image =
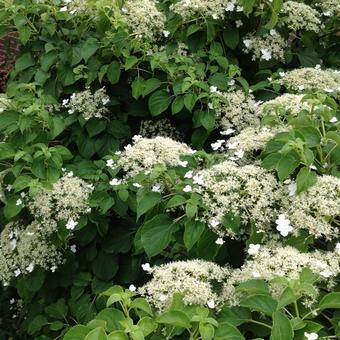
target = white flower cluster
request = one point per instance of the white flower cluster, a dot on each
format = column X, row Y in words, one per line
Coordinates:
column 285, row 104
column 248, row 143
column 248, row 192
column 266, row 47
column 88, row 104
column 207, row 284
column 194, row 279
column 144, row 19
column 73, row 6
column 316, row 210
column 274, row 260
column 234, row 109
column 309, row 78
column 328, row 8
column 67, row 200
column 145, row 153
column 5, row 103
column 299, row 16
column 22, row 248
column 161, row 128
column 216, row 9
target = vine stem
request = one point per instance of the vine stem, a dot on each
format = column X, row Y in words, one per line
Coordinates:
column 259, row 323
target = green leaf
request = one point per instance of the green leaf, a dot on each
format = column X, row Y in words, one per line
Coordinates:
column 48, row 60
column 159, row 101
column 24, row 62
column 112, row 317
column 113, row 72
column 174, row 318
column 192, row 233
column 6, row 151
column 58, row 126
column 11, row 209
column 191, row 209
column 308, row 57
column 227, row 331
column 141, row 304
column 28, row 285
column 130, row 62
column 253, row 286
column 281, row 329
column 147, row 202
column 147, row 325
column 232, row 222
column 36, row 324
column 96, row 334
column 89, row 48
column 272, row 21
column 211, row 31
column 287, row 164
column 261, row 303
column 287, row 297
column 193, row 29
column 305, row 179
column 66, row 75
column 96, row 323
column 95, row 127
column 190, row 101
column 56, row 325
column 175, row 201
column 234, row 315
column 220, row 80
column 331, row 300
column 270, row 162
column 207, row 331
column 117, row 335
column 231, row 37
column 137, row 87
column 310, row 135
column 57, row 310
column 248, row 6
column 151, row 85
column 105, row 266
column 156, row 234
column 177, row 105
column 207, row 119
column 78, row 332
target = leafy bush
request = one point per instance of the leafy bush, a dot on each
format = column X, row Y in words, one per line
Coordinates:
column 188, row 150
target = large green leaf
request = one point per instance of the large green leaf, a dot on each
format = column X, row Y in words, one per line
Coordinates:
column 174, row 318
column 89, row 48
column 24, row 62
column 147, row 202
column 156, row 234
column 261, row 303
column 281, row 329
column 227, row 331
column 105, row 266
column 113, row 72
column 96, row 334
column 112, row 317
column 231, row 37
column 192, row 233
column 331, row 300
column 78, row 332
column 305, row 179
column 287, row 164
column 159, row 101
